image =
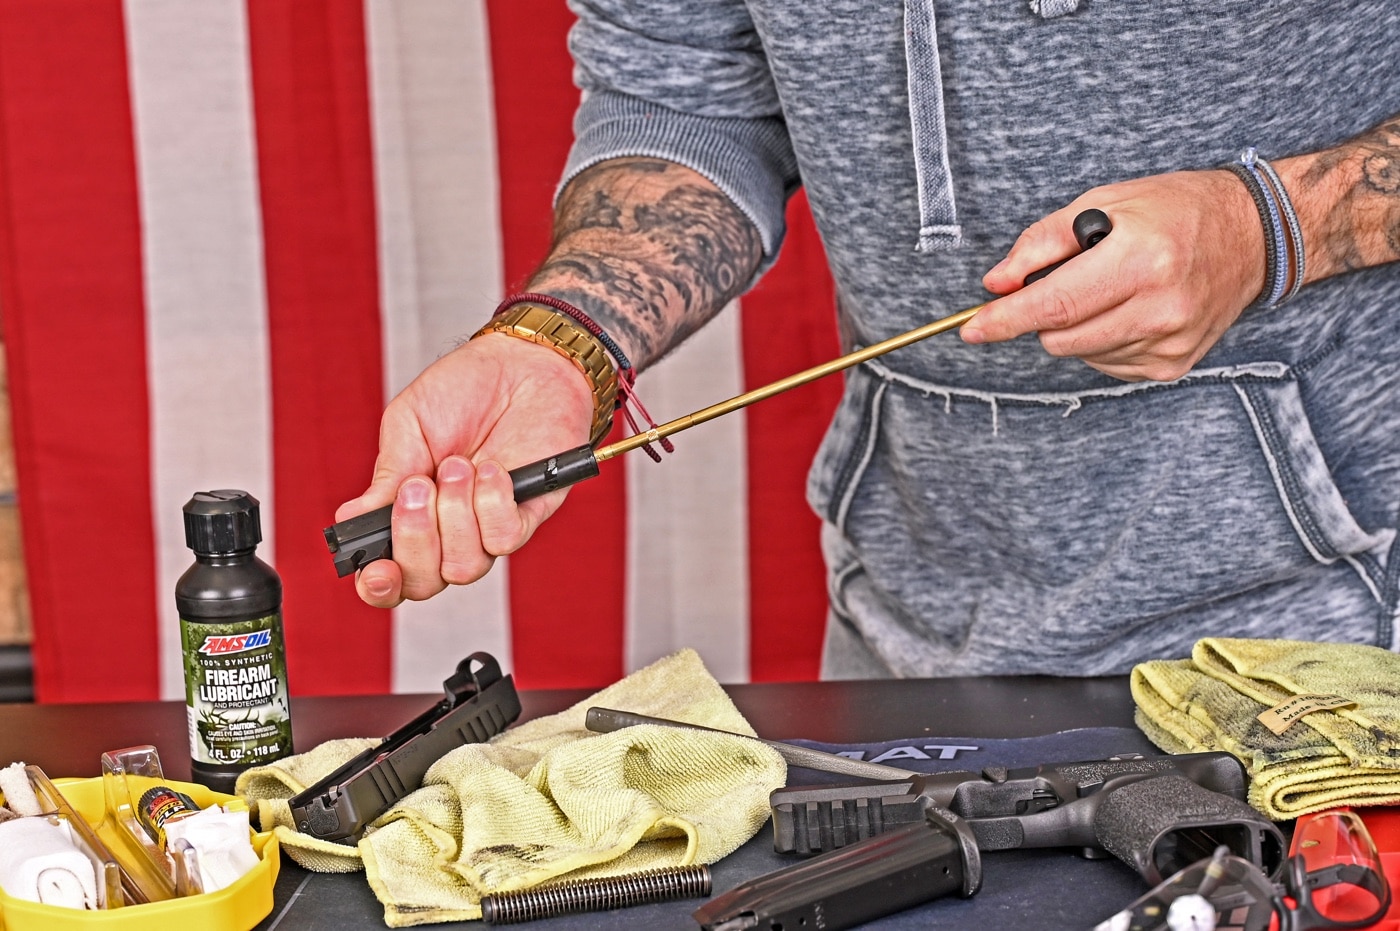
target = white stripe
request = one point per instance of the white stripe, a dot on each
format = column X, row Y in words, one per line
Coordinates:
column 687, row 534
column 440, row 255
column 205, row 296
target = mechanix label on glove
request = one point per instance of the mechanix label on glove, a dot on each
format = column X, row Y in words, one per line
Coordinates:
column 236, row 691
column 1285, row 714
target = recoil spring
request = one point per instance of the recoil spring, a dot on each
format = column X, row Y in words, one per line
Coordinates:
column 593, row 895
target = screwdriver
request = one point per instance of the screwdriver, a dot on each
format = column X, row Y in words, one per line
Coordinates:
column 359, row 540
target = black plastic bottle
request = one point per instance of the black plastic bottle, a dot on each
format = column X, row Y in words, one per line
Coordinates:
column 230, row 605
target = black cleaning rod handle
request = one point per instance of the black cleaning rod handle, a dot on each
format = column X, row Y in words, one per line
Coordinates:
column 1090, row 227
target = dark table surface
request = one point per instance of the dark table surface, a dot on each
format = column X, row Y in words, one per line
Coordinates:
column 67, row 740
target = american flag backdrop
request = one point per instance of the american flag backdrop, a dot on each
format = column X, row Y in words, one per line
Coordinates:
column 231, row 229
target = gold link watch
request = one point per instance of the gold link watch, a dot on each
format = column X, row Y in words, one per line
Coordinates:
column 564, row 335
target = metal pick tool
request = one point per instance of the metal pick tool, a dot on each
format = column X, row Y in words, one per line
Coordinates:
column 607, row 720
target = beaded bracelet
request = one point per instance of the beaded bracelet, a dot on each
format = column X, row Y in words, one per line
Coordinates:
column 627, row 374
column 1283, row 237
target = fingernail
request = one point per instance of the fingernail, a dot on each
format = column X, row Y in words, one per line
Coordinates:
column 452, row 469
column 488, row 470
column 972, row 336
column 379, row 587
column 414, row 494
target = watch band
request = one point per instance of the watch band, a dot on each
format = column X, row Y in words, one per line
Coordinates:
column 548, row 327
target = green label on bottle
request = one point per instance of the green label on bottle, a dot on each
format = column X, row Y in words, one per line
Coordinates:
column 236, row 691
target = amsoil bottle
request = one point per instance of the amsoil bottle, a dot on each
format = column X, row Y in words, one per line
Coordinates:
column 230, row 605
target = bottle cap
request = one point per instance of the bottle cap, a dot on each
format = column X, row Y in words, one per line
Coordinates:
column 222, row 522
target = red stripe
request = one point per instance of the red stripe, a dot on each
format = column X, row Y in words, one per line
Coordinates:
column 70, row 259
column 311, row 107
column 567, row 585
column 787, row 581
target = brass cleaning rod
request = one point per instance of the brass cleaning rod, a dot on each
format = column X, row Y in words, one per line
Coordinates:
column 783, row 384
column 356, row 541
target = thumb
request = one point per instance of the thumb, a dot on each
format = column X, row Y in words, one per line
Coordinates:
column 403, row 453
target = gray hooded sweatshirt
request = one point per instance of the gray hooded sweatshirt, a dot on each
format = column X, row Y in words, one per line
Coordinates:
column 992, row 509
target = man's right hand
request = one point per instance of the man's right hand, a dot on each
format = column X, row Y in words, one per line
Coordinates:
column 446, row 444
column 650, row 250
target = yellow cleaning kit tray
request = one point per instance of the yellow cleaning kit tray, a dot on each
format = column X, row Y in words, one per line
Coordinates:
column 237, row 907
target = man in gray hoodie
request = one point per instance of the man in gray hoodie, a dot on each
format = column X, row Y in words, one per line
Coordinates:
column 1149, row 446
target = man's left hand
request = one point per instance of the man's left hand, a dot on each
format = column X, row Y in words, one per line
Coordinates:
column 1185, row 257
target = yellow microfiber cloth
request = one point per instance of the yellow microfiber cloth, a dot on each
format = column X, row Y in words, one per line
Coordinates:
column 549, row 800
column 1344, row 755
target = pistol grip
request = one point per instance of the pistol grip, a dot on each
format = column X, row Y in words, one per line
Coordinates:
column 1162, row 824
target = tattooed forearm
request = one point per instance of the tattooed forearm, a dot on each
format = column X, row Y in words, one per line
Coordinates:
column 650, row 249
column 1349, row 197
